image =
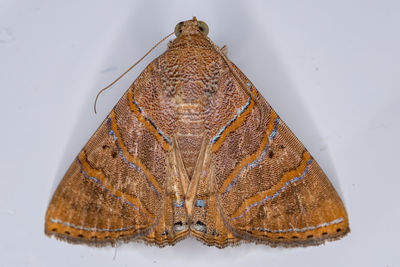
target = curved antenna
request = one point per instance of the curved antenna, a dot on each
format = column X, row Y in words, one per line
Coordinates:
column 123, row 74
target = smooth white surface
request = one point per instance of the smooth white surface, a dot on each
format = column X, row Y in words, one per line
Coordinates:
column 329, row 68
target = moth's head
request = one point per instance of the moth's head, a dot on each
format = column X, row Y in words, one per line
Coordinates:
column 192, row 26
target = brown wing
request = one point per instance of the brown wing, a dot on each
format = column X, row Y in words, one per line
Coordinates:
column 119, row 186
column 263, row 185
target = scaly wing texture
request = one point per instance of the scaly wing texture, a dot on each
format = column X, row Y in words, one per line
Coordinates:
column 207, row 223
column 186, row 150
column 120, row 186
column 262, row 185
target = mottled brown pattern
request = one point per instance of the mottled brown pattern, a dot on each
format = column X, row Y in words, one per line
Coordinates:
column 188, row 151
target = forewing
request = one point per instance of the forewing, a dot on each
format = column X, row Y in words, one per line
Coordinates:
column 269, row 189
column 117, row 186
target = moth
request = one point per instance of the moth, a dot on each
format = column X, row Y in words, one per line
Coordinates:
column 193, row 149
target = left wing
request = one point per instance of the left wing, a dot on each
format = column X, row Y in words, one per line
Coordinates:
column 123, row 184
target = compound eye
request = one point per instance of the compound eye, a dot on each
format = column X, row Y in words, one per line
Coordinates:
column 203, row 27
column 178, row 28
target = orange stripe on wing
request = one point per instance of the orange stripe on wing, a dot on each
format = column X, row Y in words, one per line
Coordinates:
column 286, row 177
column 98, row 175
column 235, row 124
column 147, row 123
column 252, row 157
column 135, row 160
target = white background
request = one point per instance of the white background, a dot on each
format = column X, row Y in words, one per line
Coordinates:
column 330, row 69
